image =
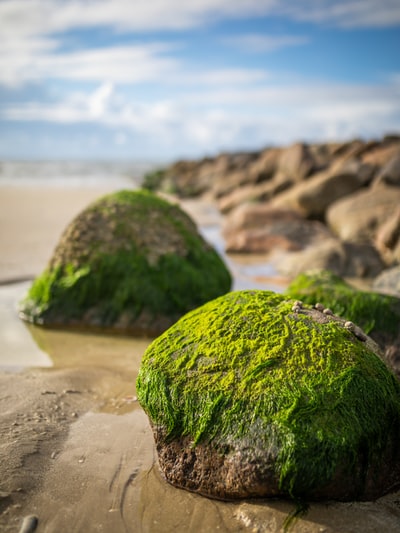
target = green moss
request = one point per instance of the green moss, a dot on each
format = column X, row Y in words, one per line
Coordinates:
column 130, row 271
column 244, row 367
column 153, row 180
column 371, row 311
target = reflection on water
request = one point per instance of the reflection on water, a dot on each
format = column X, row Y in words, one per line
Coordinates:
column 25, row 345
column 120, row 357
column 16, row 347
column 115, row 359
column 76, row 349
column 193, row 512
column 254, row 273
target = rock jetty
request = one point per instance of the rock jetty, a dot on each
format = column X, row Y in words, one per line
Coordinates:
column 331, row 206
column 132, row 263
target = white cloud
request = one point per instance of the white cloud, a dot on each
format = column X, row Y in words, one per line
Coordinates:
column 223, row 76
column 32, row 38
column 265, row 43
column 345, row 13
column 211, row 108
column 36, row 60
column 99, row 101
column 228, row 119
column 48, row 16
column 34, row 17
column 119, row 64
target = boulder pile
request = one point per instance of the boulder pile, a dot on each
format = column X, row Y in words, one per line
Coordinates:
column 331, row 206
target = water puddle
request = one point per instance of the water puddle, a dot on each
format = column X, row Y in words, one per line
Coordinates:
column 17, row 350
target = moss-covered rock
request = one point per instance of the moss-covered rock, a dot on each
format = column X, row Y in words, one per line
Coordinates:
column 131, row 262
column 255, row 395
column 377, row 314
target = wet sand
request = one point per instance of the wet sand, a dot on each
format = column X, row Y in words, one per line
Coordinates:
column 76, row 450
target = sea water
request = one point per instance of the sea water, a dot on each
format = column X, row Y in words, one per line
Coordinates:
column 74, row 173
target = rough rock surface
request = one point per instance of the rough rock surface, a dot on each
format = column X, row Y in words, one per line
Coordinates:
column 262, row 228
column 388, row 281
column 351, row 187
column 378, row 314
column 390, row 173
column 387, row 238
column 255, row 395
column 312, row 197
column 131, row 262
column 357, row 217
column 353, row 260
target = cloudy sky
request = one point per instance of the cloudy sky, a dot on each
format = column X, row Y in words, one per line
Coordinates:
column 162, row 79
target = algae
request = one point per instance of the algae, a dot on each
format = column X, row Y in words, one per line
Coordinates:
column 129, row 252
column 245, row 370
column 154, row 179
column 372, row 311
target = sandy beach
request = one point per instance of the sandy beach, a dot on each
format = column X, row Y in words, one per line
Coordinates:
column 76, row 449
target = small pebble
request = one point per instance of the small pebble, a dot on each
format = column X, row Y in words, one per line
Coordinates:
column 298, row 303
column 29, row 524
column 53, row 455
column 296, row 308
column 349, row 325
column 319, row 306
column 327, row 311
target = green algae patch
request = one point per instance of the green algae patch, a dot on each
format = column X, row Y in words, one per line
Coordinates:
column 290, row 397
column 373, row 312
column 131, row 261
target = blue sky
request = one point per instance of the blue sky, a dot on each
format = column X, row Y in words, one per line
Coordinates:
column 164, row 79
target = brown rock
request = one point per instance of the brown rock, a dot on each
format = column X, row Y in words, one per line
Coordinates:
column 211, row 471
column 390, row 173
column 296, row 161
column 349, row 149
column 256, row 215
column 381, row 154
column 358, row 216
column 252, row 193
column 388, row 281
column 344, row 259
column 265, row 166
column 388, row 239
column 235, row 174
column 262, row 229
column 312, row 197
column 229, row 182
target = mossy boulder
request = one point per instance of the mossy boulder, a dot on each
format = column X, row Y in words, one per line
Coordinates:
column 377, row 314
column 256, row 395
column 131, row 262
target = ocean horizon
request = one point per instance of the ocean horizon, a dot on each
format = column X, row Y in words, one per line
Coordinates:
column 74, row 173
